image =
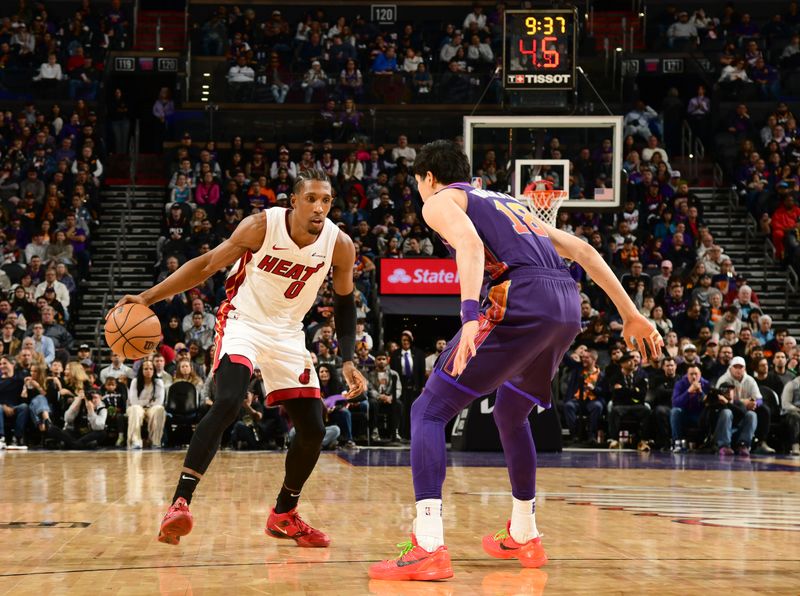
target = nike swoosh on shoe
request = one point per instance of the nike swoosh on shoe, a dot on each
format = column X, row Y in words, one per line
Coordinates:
column 407, row 563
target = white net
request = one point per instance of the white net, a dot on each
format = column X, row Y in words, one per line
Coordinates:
column 544, row 202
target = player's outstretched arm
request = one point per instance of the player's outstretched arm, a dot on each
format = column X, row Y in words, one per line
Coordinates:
column 443, row 212
column 344, row 312
column 635, row 326
column 249, row 235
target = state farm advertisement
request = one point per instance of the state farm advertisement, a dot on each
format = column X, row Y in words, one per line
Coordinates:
column 419, row 276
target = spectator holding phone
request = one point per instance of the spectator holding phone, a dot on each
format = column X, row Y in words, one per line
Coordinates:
column 86, row 421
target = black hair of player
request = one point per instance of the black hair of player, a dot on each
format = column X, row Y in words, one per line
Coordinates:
column 445, row 160
column 309, row 175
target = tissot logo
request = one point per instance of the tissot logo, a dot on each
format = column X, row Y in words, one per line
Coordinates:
column 540, row 79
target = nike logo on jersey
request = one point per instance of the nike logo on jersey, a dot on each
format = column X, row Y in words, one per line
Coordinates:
column 313, row 254
column 276, row 247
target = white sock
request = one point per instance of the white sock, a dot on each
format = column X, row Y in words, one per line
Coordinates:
column 523, row 521
column 428, row 524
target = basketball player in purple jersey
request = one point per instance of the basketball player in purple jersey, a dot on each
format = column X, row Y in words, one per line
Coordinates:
column 512, row 343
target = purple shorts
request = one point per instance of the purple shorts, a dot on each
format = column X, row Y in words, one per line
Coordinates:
column 527, row 324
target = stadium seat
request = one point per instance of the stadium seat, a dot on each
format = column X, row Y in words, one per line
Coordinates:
column 182, row 411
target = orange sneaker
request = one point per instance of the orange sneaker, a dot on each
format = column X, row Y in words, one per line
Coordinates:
column 414, row 563
column 176, row 523
column 503, row 546
column 289, row 525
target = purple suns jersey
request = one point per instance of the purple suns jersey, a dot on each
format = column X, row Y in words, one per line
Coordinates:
column 511, row 237
column 531, row 311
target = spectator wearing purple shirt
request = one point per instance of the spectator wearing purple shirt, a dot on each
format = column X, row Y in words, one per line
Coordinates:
column 117, row 24
column 746, row 27
column 163, row 111
column 77, row 238
column 766, row 78
column 66, row 151
column 675, row 302
column 687, row 402
column 16, row 231
column 740, row 124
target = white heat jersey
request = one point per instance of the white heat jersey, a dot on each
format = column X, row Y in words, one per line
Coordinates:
column 279, row 283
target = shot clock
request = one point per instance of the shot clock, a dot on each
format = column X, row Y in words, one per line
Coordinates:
column 539, row 49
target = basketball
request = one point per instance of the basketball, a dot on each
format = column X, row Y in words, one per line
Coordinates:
column 132, row 331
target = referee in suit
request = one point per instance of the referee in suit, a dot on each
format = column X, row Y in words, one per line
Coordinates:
column 409, row 363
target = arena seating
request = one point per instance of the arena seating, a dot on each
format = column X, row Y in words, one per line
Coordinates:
column 665, row 243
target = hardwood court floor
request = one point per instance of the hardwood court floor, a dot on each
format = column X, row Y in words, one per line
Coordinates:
column 85, row 523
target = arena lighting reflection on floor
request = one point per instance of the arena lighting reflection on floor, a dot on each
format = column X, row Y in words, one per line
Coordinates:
column 584, row 458
column 290, row 576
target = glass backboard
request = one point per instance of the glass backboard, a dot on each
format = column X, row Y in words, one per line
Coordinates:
column 581, row 154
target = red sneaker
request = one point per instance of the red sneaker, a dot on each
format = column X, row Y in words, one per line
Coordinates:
column 414, row 563
column 503, row 546
column 176, row 523
column 289, row 525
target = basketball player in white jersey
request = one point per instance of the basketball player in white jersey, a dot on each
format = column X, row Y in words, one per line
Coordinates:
column 281, row 258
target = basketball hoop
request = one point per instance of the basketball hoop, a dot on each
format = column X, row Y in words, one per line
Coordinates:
column 544, row 202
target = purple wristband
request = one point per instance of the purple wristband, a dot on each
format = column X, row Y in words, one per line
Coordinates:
column 469, row 311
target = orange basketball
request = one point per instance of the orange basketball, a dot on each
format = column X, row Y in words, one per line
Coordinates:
column 132, row 331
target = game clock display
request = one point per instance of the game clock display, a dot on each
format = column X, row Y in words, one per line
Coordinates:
column 539, row 49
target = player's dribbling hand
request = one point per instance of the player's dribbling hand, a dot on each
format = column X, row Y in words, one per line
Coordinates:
column 639, row 333
column 127, row 299
column 356, row 383
column 466, row 346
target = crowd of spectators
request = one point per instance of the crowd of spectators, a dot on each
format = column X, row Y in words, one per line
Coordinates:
column 725, row 368
column 767, row 176
column 324, row 56
column 50, row 177
column 728, row 379
column 57, row 56
column 756, row 60
column 658, row 244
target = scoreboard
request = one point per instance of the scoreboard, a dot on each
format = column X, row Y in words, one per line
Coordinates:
column 539, row 49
